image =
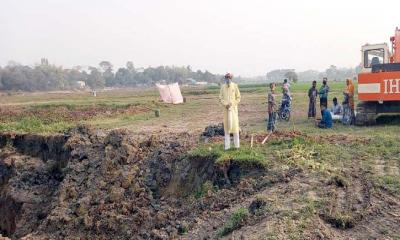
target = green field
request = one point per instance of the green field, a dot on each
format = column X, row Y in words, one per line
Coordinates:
column 26, row 112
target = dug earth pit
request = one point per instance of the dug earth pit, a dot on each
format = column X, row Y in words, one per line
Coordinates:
column 94, row 184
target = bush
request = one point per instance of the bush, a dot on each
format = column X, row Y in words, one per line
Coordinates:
column 233, row 222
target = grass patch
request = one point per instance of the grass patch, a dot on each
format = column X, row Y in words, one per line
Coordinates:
column 34, row 125
column 306, row 153
column 310, row 208
column 390, row 183
column 303, row 157
column 244, row 156
column 301, row 219
column 233, row 222
column 205, row 189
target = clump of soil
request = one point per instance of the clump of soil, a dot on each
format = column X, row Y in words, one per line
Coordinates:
column 257, row 204
column 213, row 130
column 339, row 181
column 341, row 221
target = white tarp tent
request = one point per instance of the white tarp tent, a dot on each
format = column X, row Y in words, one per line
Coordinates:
column 170, row 93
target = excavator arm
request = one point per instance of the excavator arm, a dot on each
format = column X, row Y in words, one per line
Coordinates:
column 395, row 58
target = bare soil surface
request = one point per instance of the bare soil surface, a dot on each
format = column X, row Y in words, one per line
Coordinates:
column 94, row 184
column 66, row 113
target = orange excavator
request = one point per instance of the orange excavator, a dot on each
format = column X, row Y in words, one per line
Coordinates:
column 379, row 81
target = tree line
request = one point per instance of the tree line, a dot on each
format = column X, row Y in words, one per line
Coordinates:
column 332, row 73
column 47, row 77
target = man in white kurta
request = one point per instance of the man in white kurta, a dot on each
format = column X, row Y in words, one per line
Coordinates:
column 230, row 97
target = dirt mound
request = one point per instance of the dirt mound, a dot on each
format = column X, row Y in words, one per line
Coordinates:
column 87, row 183
column 67, row 113
column 93, row 184
column 213, row 130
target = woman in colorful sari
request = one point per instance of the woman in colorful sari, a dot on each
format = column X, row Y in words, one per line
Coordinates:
column 350, row 92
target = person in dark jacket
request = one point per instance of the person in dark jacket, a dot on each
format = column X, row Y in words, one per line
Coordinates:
column 312, row 95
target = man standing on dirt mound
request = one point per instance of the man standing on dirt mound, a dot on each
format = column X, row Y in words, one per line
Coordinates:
column 229, row 97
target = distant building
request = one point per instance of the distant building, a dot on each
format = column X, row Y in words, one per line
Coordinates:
column 44, row 62
column 139, row 70
column 201, row 83
column 190, row 81
column 81, row 84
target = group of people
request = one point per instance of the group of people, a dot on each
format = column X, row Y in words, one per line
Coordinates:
column 230, row 98
column 343, row 113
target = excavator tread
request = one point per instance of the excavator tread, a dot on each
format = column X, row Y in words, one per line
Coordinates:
column 366, row 114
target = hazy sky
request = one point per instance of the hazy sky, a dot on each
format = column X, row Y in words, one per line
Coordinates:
column 244, row 37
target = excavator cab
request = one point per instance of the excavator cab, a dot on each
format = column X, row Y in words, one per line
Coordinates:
column 373, row 54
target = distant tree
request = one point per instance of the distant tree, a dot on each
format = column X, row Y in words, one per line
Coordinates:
column 332, row 72
column 12, row 63
column 291, row 76
column 161, row 74
column 198, row 75
column 15, row 78
column 208, row 77
column 109, row 78
column 123, row 78
column 1, row 82
column 77, row 68
column 107, row 73
column 73, row 76
column 357, row 70
column 308, row 75
column 45, row 76
column 278, row 75
column 95, row 79
column 130, row 66
column 105, row 65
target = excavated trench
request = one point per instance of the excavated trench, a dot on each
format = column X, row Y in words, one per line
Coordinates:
column 9, row 208
column 26, row 184
column 189, row 175
column 90, row 183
